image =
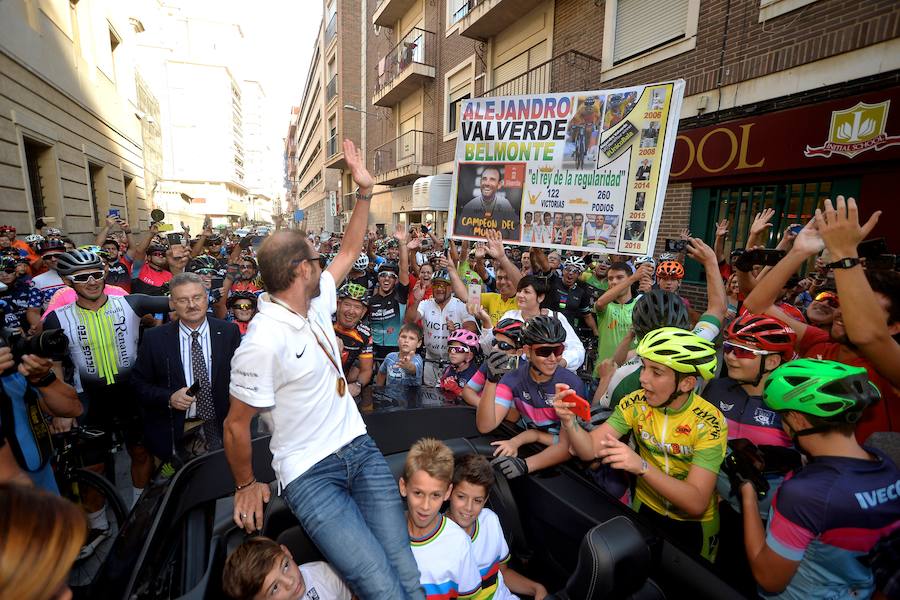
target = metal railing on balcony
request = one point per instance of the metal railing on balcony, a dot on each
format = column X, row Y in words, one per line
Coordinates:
column 332, row 145
column 331, row 29
column 331, row 89
column 465, row 9
column 411, row 148
column 572, row 70
column 416, row 47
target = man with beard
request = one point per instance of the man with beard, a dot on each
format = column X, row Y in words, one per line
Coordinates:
column 103, row 341
column 490, row 207
column 575, row 297
column 387, row 306
column 355, row 336
column 869, row 305
column 440, row 315
column 117, row 272
column 151, row 276
column 333, row 477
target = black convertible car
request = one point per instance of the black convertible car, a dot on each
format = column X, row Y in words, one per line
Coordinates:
column 562, row 529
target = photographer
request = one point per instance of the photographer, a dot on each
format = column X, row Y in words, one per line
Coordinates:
column 31, row 387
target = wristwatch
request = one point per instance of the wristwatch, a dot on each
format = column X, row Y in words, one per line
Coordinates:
column 363, row 196
column 644, row 468
column 844, row 263
column 46, row 380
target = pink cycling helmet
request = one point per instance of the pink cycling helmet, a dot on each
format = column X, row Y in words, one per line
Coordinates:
column 464, row 337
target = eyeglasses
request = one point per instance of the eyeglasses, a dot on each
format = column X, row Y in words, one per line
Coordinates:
column 742, row 352
column 571, row 270
column 156, row 253
column 53, row 256
column 321, row 259
column 386, row 274
column 829, row 298
column 458, row 349
column 505, row 346
column 243, row 306
column 546, row 351
column 86, row 277
column 190, row 300
column 9, row 270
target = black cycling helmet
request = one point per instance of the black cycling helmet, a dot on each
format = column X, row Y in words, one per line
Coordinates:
column 50, row 244
column 389, row 267
column 659, row 308
column 511, row 328
column 203, row 263
column 156, row 247
column 543, row 329
column 237, row 296
column 77, row 260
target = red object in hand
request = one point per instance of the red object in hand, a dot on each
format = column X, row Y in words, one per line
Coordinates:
column 582, row 408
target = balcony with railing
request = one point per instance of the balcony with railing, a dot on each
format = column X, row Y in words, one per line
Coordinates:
column 388, row 12
column 571, row 70
column 331, row 89
column 405, row 67
column 404, row 159
column 332, row 146
column 331, row 29
column 481, row 19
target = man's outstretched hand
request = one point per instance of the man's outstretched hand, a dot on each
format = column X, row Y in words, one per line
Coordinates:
column 839, row 227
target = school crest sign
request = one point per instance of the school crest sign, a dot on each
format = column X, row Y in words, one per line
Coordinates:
column 856, row 130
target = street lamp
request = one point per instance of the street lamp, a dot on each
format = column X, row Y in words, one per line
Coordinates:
column 359, row 110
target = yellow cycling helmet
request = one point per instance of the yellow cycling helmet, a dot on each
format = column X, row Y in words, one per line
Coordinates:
column 680, row 350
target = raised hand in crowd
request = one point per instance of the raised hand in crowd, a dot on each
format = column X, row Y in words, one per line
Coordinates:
column 759, row 226
column 721, row 235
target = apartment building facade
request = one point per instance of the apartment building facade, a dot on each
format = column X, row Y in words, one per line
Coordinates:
column 330, row 109
column 73, row 117
column 787, row 102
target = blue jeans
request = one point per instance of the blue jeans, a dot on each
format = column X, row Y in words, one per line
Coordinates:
column 350, row 506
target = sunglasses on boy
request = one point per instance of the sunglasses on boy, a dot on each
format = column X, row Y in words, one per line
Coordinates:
column 545, row 351
column 741, row 351
column 458, row 349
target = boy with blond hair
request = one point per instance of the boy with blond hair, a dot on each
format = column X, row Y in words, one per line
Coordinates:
column 443, row 551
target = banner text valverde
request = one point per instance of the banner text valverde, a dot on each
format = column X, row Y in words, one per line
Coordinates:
column 503, row 151
column 518, row 109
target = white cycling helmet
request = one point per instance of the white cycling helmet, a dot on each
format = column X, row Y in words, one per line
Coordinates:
column 33, row 239
column 667, row 256
column 575, row 262
column 362, row 263
column 644, row 260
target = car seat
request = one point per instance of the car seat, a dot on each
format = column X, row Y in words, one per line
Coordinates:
column 613, row 563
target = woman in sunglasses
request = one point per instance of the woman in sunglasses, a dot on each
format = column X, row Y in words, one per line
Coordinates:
column 820, row 311
column 529, row 388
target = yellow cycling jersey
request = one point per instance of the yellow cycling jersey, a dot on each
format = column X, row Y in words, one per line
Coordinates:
column 673, row 441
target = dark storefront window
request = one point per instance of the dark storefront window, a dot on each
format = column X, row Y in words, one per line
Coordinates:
column 793, row 203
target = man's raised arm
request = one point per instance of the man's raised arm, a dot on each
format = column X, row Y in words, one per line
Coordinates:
column 359, row 220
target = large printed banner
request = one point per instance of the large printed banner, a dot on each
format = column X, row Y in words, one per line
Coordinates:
column 580, row 170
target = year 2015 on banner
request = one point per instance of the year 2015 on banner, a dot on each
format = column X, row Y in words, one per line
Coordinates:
column 578, row 170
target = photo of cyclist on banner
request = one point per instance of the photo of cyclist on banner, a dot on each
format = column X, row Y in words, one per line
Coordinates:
column 583, row 134
column 489, row 197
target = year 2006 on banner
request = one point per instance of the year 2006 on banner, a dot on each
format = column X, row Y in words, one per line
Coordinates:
column 577, row 170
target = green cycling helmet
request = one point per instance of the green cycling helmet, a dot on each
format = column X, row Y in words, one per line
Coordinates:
column 822, row 388
column 682, row 351
column 354, row 291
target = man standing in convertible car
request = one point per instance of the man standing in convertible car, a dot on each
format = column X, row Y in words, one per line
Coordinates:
column 332, row 475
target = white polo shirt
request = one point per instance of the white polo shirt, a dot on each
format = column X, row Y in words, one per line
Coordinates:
column 280, row 367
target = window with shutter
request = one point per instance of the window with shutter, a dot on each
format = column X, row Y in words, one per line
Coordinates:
column 641, row 25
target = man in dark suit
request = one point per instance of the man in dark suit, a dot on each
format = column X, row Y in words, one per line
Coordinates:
column 194, row 349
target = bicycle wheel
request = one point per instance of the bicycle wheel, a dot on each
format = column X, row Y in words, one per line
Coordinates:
column 89, row 489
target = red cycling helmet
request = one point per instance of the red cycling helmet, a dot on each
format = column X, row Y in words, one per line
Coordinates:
column 763, row 333
column 670, row 268
column 792, row 311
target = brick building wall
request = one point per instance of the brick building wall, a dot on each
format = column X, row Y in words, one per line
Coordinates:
column 349, row 60
column 731, row 39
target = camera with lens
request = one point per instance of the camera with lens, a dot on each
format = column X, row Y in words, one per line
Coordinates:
column 51, row 343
